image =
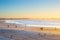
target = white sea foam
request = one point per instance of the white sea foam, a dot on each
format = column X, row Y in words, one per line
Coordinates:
column 36, row 23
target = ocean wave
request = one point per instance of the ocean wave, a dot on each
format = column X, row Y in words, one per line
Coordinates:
column 36, row 23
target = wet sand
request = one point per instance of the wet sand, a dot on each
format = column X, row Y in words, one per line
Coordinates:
column 27, row 35
column 34, row 29
column 18, row 32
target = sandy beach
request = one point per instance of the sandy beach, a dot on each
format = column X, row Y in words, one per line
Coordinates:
column 29, row 19
column 13, row 26
column 26, row 35
column 18, row 32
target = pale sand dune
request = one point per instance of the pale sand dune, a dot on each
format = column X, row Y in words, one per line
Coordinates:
column 28, row 33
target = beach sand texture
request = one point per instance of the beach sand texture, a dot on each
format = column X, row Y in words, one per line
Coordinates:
column 27, row 35
column 17, row 32
column 36, row 29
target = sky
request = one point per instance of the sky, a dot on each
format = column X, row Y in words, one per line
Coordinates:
column 29, row 8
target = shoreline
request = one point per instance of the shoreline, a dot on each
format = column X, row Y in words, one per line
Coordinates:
column 36, row 29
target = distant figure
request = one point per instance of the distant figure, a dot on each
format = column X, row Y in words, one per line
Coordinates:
column 41, row 28
column 16, row 26
column 8, row 26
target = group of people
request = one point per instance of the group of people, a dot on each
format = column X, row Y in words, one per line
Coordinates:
column 9, row 26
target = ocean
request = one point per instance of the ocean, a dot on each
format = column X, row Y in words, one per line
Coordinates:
column 36, row 23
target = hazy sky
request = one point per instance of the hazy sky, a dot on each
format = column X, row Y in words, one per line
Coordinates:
column 30, row 8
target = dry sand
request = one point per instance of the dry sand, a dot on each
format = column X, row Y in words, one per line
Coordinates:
column 18, row 32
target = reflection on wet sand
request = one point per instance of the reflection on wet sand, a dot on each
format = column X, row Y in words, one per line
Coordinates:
column 27, row 35
column 18, row 32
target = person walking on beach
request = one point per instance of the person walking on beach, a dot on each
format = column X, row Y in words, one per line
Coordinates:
column 41, row 28
column 15, row 26
column 8, row 26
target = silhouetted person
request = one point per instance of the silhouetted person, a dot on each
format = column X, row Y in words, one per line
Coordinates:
column 41, row 28
column 16, row 26
column 8, row 26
